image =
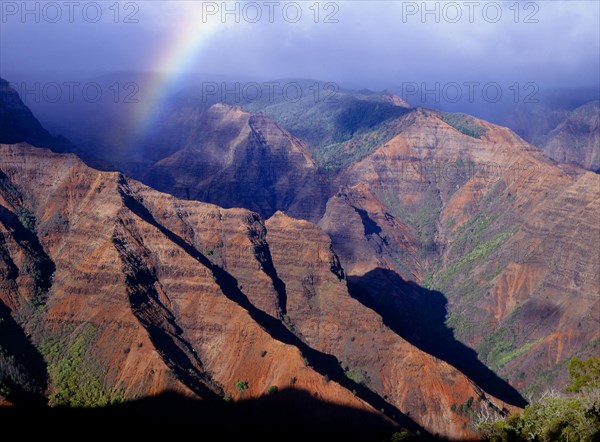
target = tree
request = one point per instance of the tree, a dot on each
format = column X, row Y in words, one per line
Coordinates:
column 584, row 374
column 571, row 417
column 401, row 436
column 241, row 385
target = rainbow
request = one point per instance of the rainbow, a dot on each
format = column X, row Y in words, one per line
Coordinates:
column 181, row 53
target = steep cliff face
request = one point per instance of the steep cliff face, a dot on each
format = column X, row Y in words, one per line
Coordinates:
column 212, row 153
column 366, row 236
column 129, row 292
column 18, row 124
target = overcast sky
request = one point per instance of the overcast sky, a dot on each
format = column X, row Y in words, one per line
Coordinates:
column 365, row 44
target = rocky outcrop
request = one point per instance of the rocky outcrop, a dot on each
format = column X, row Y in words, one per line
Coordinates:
column 366, row 236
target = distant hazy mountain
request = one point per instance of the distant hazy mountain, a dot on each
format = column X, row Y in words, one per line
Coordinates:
column 564, row 124
column 236, row 159
column 17, row 123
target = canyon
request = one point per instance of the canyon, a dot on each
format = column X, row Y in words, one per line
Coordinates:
column 398, row 263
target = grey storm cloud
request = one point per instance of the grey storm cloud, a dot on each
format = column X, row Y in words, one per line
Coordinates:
column 358, row 43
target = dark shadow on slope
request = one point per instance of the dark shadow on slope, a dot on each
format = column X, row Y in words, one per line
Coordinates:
column 356, row 115
column 418, row 315
column 42, row 266
column 263, row 252
column 159, row 322
column 22, row 368
column 323, row 363
column 370, row 226
column 287, row 415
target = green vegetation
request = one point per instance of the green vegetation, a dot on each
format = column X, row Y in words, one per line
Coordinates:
column 272, row 389
column 22, row 369
column 75, row 374
column 423, row 217
column 449, row 223
column 293, row 380
column 470, row 234
column 464, row 124
column 501, row 346
column 263, row 353
column 572, row 417
column 358, row 376
column 336, row 156
column 478, row 250
column 241, row 385
column 584, row 375
column 400, row 436
column 466, row 408
column 505, row 358
column 26, row 218
column 340, row 126
column 14, row 374
column 479, row 254
column 477, row 242
column 498, row 343
column 428, row 276
column 473, row 229
column 38, row 280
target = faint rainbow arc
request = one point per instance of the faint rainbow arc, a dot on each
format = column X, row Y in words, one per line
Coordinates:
column 177, row 59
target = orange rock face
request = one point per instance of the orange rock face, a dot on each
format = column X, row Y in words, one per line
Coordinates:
column 189, row 297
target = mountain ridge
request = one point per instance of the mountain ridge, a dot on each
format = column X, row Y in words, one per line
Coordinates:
column 433, row 226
